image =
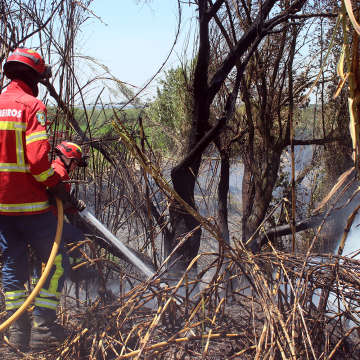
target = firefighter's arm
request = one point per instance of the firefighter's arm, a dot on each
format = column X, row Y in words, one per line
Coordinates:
column 40, row 167
column 37, row 151
column 38, row 147
column 76, row 205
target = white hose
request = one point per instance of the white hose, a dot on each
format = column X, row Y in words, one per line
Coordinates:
column 117, row 243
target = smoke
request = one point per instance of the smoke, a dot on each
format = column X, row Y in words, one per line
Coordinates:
column 352, row 244
column 352, row 250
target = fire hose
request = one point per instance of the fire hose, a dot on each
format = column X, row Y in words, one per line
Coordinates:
column 45, row 273
column 117, row 243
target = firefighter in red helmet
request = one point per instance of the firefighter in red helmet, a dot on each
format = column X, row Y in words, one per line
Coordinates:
column 72, row 152
column 25, row 216
column 28, row 65
column 69, row 157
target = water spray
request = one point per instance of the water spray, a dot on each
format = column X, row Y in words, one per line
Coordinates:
column 118, row 244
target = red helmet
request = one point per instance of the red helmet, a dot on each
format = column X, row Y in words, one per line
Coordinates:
column 72, row 151
column 29, row 58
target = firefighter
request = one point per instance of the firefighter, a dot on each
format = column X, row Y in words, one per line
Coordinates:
column 69, row 157
column 25, row 216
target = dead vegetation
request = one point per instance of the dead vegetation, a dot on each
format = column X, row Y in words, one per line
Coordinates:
column 268, row 306
column 236, row 305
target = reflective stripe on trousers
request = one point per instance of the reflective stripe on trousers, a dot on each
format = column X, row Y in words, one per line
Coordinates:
column 39, row 232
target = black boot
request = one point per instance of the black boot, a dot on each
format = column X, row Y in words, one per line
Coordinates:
column 45, row 332
column 20, row 332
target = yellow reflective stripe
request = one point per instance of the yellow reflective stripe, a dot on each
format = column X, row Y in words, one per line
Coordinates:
column 12, row 295
column 8, row 167
column 19, row 128
column 77, row 260
column 14, row 299
column 14, row 304
column 34, row 281
column 19, row 148
column 47, row 293
column 36, row 136
column 76, row 145
column 12, row 125
column 54, row 282
column 24, row 207
column 14, row 292
column 44, row 175
column 50, row 304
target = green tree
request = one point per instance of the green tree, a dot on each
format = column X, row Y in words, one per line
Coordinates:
column 170, row 113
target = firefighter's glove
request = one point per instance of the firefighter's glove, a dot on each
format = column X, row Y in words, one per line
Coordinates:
column 79, row 205
column 60, row 192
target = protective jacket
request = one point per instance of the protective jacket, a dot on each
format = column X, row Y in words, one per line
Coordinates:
column 25, row 170
column 60, row 169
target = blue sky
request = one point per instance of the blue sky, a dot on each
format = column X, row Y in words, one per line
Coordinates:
column 137, row 39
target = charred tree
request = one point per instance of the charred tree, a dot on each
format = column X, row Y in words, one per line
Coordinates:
column 202, row 132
